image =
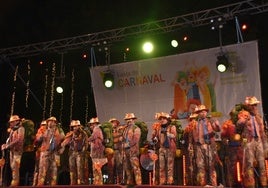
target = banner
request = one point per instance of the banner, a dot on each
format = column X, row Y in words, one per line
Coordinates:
column 175, row 84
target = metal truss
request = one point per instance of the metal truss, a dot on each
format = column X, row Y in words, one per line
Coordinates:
column 228, row 12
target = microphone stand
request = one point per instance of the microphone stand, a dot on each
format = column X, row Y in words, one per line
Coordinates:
column 154, row 144
column 123, row 162
column 123, row 181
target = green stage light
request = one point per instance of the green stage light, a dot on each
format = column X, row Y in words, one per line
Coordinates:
column 222, row 63
column 108, row 80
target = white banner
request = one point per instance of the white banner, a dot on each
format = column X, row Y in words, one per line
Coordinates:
column 177, row 82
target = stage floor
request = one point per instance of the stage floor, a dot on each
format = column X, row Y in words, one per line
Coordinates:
column 122, row 186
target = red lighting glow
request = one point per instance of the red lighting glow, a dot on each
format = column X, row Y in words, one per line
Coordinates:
column 244, row 27
column 84, row 56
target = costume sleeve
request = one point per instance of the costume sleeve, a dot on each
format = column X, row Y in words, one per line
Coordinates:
column 173, row 132
column 136, row 136
column 19, row 139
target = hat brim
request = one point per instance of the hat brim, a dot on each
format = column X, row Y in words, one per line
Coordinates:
column 257, row 102
column 201, row 110
column 51, row 120
column 162, row 117
column 130, row 118
column 14, row 120
column 114, row 121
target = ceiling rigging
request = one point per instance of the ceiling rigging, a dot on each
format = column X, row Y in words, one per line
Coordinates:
column 200, row 18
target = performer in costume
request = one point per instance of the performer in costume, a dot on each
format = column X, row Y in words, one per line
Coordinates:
column 41, row 130
column 255, row 144
column 49, row 157
column 166, row 136
column 156, row 145
column 97, row 151
column 15, row 143
column 117, row 157
column 234, row 152
column 77, row 141
column 205, row 147
column 131, row 138
column 190, row 161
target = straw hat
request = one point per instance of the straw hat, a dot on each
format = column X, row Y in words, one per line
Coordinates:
column 162, row 114
column 52, row 118
column 94, row 120
column 130, row 116
column 251, row 101
column 75, row 123
column 14, row 118
column 114, row 119
column 200, row 108
column 43, row 123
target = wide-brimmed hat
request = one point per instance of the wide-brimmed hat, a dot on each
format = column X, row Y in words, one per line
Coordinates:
column 75, row 123
column 14, row 118
column 114, row 119
column 94, row 120
column 193, row 116
column 252, row 101
column 130, row 116
column 43, row 122
column 162, row 114
column 52, row 118
column 200, row 108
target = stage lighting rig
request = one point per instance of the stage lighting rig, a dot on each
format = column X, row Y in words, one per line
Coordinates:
column 108, row 80
column 222, row 63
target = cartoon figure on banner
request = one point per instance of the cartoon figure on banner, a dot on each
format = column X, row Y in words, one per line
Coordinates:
column 193, row 92
column 180, row 93
column 191, row 88
column 206, row 89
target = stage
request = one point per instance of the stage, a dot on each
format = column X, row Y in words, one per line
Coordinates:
column 121, row 186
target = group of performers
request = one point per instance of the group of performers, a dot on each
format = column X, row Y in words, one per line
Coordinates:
column 118, row 147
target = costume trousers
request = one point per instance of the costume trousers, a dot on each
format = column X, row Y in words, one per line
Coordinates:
column 47, row 168
column 205, row 164
column 132, row 167
column 254, row 153
column 166, row 166
column 118, row 165
column 76, row 164
column 15, row 160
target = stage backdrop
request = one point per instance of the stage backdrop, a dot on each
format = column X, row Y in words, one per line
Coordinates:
column 176, row 83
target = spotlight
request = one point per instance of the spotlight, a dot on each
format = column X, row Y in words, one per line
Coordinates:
column 59, row 89
column 148, row 47
column 59, row 84
column 174, row 43
column 108, row 80
column 217, row 24
column 222, row 63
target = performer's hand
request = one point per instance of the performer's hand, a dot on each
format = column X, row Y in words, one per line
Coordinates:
column 4, row 146
column 170, row 135
column 61, row 150
column 153, row 156
column 98, row 166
